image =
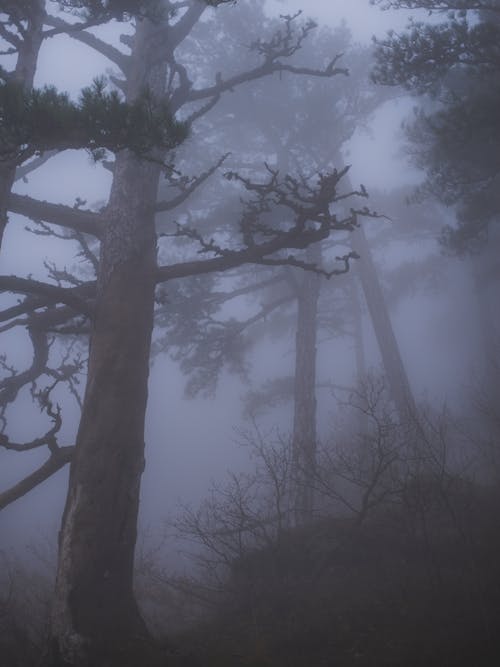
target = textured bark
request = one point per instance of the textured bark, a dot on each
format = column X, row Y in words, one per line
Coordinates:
column 95, row 617
column 304, row 418
column 379, row 314
column 24, row 73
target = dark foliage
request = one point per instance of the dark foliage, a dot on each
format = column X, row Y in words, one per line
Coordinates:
column 123, row 10
column 455, row 64
column 44, row 119
column 403, row 589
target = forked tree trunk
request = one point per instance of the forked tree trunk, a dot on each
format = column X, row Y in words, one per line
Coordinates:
column 24, row 74
column 95, row 617
column 379, row 314
column 304, row 438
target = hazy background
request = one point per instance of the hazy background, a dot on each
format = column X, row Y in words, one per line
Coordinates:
column 191, row 442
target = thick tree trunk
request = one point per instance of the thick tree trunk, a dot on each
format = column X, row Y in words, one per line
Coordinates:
column 94, row 607
column 379, row 314
column 304, row 418
column 95, row 617
column 24, row 74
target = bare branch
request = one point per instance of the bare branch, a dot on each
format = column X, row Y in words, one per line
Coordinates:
column 78, row 220
column 313, row 268
column 24, row 170
column 11, row 385
column 47, row 439
column 76, row 32
column 75, row 297
column 282, row 44
column 57, row 460
column 188, row 188
column 234, row 258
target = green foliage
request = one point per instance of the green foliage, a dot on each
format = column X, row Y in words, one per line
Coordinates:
column 421, row 58
column 196, row 336
column 44, row 119
column 123, row 10
column 454, row 137
column 458, row 148
column 438, row 5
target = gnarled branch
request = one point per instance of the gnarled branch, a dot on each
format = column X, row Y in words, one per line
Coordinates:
column 57, row 460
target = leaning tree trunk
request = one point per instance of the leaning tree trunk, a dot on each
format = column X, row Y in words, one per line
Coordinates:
column 24, row 74
column 484, row 275
column 357, row 321
column 304, row 418
column 399, row 385
column 95, row 617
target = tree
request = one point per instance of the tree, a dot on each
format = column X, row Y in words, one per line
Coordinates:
column 301, row 139
column 22, row 30
column 95, row 616
column 455, row 64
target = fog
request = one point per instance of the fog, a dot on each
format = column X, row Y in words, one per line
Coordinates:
column 225, row 364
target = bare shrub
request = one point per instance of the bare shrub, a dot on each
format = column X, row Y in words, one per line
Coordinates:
column 25, row 594
column 399, row 521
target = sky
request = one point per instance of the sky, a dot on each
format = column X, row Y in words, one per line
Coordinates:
column 364, row 19
column 373, row 154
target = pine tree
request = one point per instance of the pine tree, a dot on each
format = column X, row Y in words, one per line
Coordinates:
column 455, row 65
column 95, row 618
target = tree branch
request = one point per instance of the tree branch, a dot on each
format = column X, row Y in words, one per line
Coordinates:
column 77, row 32
column 85, row 222
column 57, row 460
column 75, row 297
column 187, row 191
column 265, row 69
column 250, row 255
column 24, row 170
column 11, row 385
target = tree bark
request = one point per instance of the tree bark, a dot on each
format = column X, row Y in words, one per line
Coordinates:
column 399, row 385
column 304, row 418
column 95, row 617
column 357, row 319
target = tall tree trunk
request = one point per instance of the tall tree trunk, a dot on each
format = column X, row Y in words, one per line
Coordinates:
column 304, row 419
column 483, row 276
column 379, row 314
column 24, row 74
column 357, row 319
column 95, row 616
column 487, row 393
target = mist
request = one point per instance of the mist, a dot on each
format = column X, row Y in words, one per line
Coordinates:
column 250, row 333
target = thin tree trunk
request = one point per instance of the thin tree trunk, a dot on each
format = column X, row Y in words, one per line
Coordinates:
column 490, row 343
column 24, row 74
column 357, row 318
column 377, row 307
column 95, row 617
column 304, row 439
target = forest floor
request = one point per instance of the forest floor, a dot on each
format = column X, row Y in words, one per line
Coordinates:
column 337, row 594
column 394, row 591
